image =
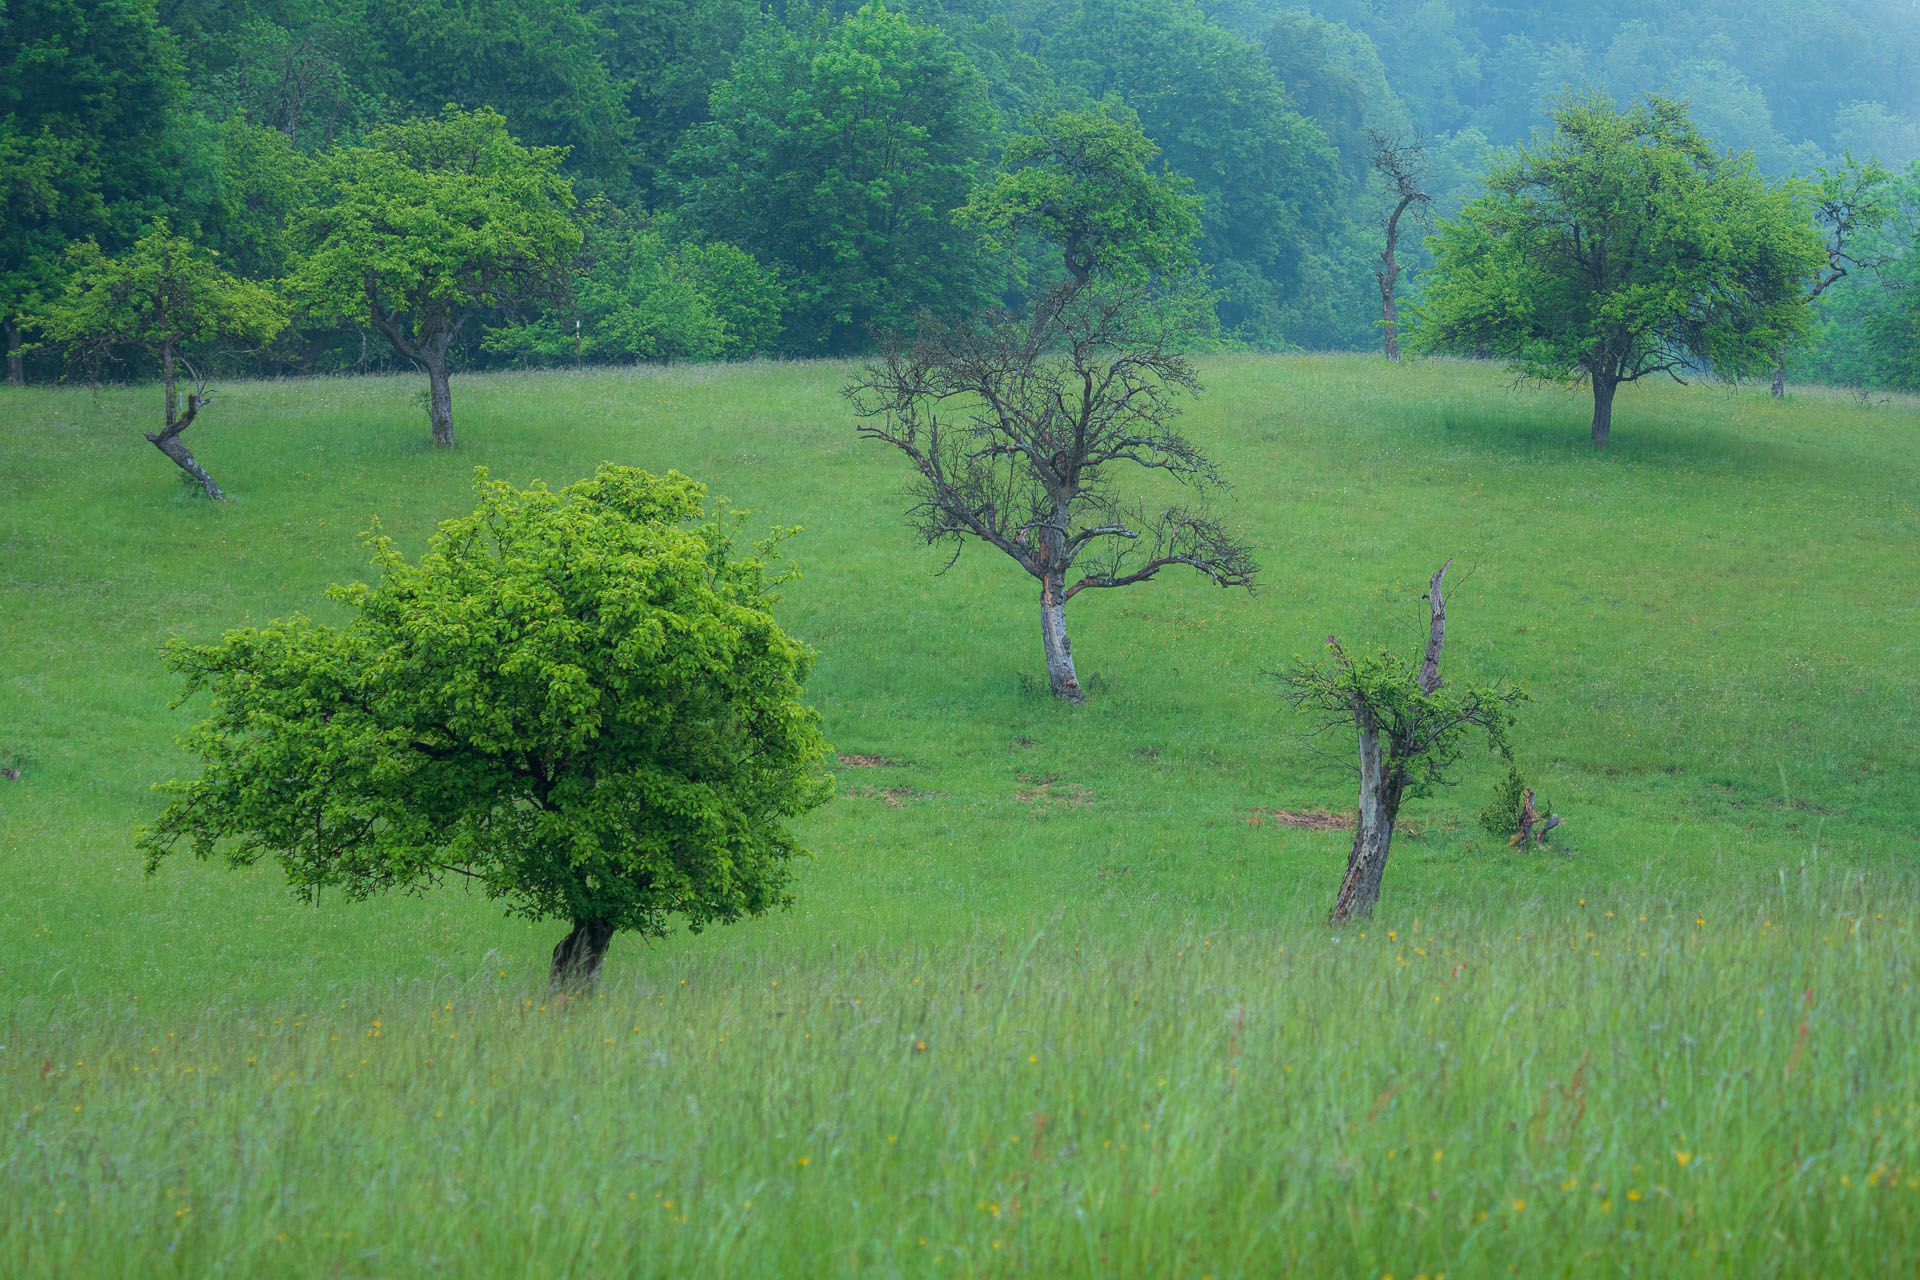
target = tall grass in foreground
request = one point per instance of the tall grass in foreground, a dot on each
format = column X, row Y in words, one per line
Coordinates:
column 1623, row 1088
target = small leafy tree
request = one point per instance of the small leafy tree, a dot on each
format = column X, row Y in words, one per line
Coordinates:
column 1623, row 246
column 170, row 300
column 1022, row 429
column 1412, row 728
column 578, row 701
column 429, row 224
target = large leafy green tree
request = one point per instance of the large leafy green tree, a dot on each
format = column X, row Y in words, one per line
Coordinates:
column 426, row 226
column 88, row 89
column 170, row 301
column 1624, row 245
column 579, row 701
column 838, row 153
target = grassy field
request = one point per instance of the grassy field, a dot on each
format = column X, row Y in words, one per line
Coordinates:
column 1055, row 998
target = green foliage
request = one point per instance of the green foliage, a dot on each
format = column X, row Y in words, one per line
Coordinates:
column 1501, row 818
column 578, row 700
column 837, row 154
column 1267, row 181
column 431, row 221
column 1622, row 246
column 642, row 297
column 164, row 296
column 87, row 92
column 1079, row 180
column 1422, row 733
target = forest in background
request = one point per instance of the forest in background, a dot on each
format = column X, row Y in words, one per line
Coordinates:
column 774, row 179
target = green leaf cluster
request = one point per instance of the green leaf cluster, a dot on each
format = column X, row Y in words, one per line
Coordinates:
column 1623, row 245
column 580, row 701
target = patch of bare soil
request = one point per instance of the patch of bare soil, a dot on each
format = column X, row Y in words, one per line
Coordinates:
column 892, row 797
column 867, row 762
column 1310, row 820
column 1045, row 792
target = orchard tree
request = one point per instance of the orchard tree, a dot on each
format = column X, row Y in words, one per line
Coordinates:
column 427, row 225
column 1851, row 203
column 578, row 701
column 1027, row 432
column 1411, row 727
column 1623, row 246
column 171, row 301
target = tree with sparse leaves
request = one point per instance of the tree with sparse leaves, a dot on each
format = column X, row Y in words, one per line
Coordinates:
column 427, row 225
column 1411, row 726
column 1027, row 431
column 170, row 300
column 1852, row 201
column 578, row 701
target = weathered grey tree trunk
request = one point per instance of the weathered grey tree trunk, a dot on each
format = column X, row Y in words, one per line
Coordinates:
column 16, row 359
column 1389, row 277
column 1603, row 389
column 1053, row 637
column 579, row 955
column 1779, row 375
column 1373, row 832
column 168, row 441
column 1383, row 782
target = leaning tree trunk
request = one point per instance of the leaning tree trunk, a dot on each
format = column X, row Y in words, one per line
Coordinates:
column 16, row 359
column 440, row 398
column 578, row 957
column 1603, row 389
column 1053, row 636
column 168, row 441
column 1373, row 833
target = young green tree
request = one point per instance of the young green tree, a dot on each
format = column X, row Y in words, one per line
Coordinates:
column 837, row 154
column 578, row 701
column 427, row 225
column 169, row 300
column 1623, row 246
column 1031, row 432
column 1412, row 727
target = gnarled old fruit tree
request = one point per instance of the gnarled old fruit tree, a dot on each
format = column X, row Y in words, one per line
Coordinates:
column 1020, row 424
column 1411, row 726
column 577, row 701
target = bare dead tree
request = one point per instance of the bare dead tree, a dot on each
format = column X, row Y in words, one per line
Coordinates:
column 1850, row 201
column 1403, row 168
column 1411, row 727
column 1018, row 429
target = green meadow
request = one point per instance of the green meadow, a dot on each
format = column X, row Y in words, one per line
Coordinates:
column 1056, row 997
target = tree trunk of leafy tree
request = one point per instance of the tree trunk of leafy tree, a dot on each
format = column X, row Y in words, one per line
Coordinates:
column 578, row 957
column 16, row 360
column 1603, row 389
column 168, row 441
column 1779, row 375
column 440, row 393
column 1053, row 636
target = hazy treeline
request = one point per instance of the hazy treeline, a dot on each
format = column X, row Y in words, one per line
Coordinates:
column 780, row 179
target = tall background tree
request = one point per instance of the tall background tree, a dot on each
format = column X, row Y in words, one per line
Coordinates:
column 1852, row 202
column 426, row 226
column 1624, row 245
column 838, row 153
column 1401, row 167
column 88, row 94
